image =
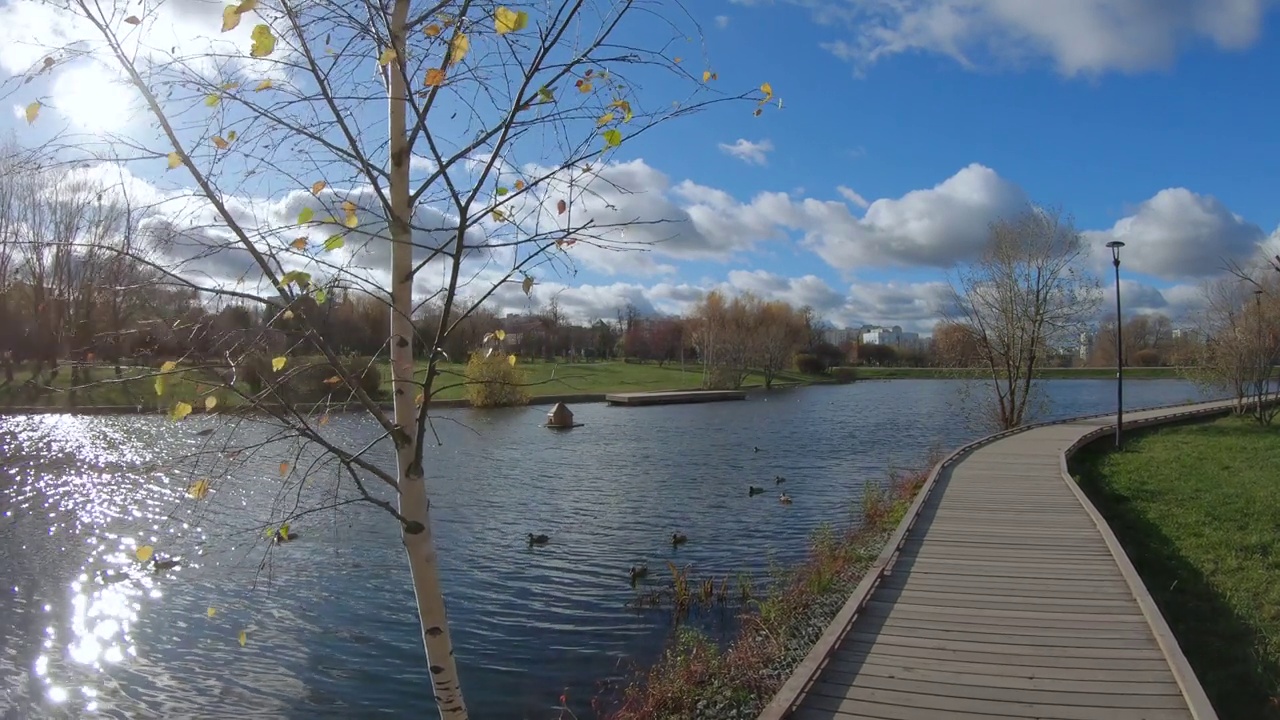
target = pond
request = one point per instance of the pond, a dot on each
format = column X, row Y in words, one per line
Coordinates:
column 330, row 629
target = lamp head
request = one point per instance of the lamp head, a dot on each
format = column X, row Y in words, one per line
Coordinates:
column 1115, row 246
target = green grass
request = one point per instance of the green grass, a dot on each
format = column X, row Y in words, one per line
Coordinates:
column 1197, row 508
column 544, row 379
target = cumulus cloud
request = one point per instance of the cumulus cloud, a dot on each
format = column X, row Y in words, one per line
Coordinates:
column 1180, row 234
column 751, row 153
column 1080, row 37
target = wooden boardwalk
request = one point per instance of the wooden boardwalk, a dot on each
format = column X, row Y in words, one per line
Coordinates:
column 1003, row 594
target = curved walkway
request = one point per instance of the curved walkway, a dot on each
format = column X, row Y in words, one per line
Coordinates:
column 1003, row 594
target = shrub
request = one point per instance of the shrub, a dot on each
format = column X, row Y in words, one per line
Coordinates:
column 309, row 378
column 494, row 382
column 844, row 374
column 810, row 364
column 1147, row 357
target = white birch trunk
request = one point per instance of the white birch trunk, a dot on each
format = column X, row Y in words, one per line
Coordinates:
column 413, row 503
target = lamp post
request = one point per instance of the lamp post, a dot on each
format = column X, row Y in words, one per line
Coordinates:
column 1264, row 361
column 1115, row 246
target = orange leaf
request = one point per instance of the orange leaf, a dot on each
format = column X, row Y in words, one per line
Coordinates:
column 435, row 78
column 519, row 185
column 284, row 468
column 561, row 207
column 300, row 244
column 318, row 186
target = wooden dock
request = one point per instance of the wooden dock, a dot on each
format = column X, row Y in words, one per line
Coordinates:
column 674, row 397
column 1003, row 594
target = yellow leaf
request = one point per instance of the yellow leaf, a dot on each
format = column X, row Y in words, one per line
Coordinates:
column 211, row 611
column 264, row 43
column 324, row 419
column 132, row 20
column 706, row 75
column 277, row 363
column 332, row 380
column 174, row 160
column 246, row 6
column 210, row 403
column 349, row 214
column 498, row 215
column 299, row 244
column 500, row 334
column 287, row 314
column 679, row 59
column 244, row 638
column 230, row 18
column 418, row 400
column 604, row 119
column 284, row 468
column 511, row 360
column 506, row 20
column 219, row 143
column 527, row 285
column 305, row 215
column 584, row 86
column 431, row 30
column 387, row 56
column 317, row 186
column 144, row 553
column 612, row 138
column 767, row 89
column 212, row 100
column 458, row 48
column 199, row 489
column 435, row 78
column 180, row 410
column 33, row 111
column 264, row 85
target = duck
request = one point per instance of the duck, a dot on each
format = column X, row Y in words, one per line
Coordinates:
column 164, row 564
column 785, row 499
column 538, row 539
column 638, row 571
column 778, row 479
column 755, row 449
column 753, row 490
column 678, row 539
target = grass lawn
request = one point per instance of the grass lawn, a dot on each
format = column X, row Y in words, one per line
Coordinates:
column 1197, row 509
column 103, row 389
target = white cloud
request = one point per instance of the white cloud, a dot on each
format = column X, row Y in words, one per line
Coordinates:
column 751, row 153
column 1179, row 234
column 722, row 21
column 1080, row 37
column 852, row 196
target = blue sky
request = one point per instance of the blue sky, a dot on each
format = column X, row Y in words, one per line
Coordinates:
column 907, row 126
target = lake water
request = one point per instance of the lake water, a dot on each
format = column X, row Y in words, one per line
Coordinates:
column 330, row 629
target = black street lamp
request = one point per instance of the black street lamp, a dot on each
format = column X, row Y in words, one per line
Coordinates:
column 1264, row 361
column 1115, row 246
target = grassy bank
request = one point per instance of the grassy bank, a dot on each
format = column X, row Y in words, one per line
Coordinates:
column 1197, row 509
column 697, row 677
column 101, row 387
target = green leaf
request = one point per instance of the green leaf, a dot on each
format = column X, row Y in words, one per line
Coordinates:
column 334, row 243
column 502, row 191
column 180, row 410
column 612, row 138
column 295, row 276
column 321, row 296
column 264, row 43
column 546, row 94
column 305, row 216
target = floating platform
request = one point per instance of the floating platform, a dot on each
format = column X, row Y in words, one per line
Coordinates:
column 673, row 397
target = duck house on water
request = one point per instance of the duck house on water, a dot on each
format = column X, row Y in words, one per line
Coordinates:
column 561, row 418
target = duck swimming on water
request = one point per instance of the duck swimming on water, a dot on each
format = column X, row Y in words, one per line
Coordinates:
column 785, row 499
column 753, row 490
column 538, row 539
column 678, row 539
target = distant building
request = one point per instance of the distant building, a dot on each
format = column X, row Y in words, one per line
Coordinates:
column 894, row 337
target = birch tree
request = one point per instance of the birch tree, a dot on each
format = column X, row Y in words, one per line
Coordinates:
column 498, row 123
column 1027, row 293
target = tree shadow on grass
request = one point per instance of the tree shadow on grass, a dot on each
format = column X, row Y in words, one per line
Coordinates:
column 1218, row 643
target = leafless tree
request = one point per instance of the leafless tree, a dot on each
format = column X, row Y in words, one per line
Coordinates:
column 1027, row 293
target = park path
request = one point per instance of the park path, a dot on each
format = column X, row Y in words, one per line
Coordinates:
column 1003, row 594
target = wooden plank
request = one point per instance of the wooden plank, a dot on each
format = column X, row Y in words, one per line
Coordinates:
column 911, row 626
column 909, row 656
column 1080, row 695
column 937, row 706
column 981, row 585
column 1041, row 643
column 1005, row 674
column 1011, row 615
column 998, row 644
